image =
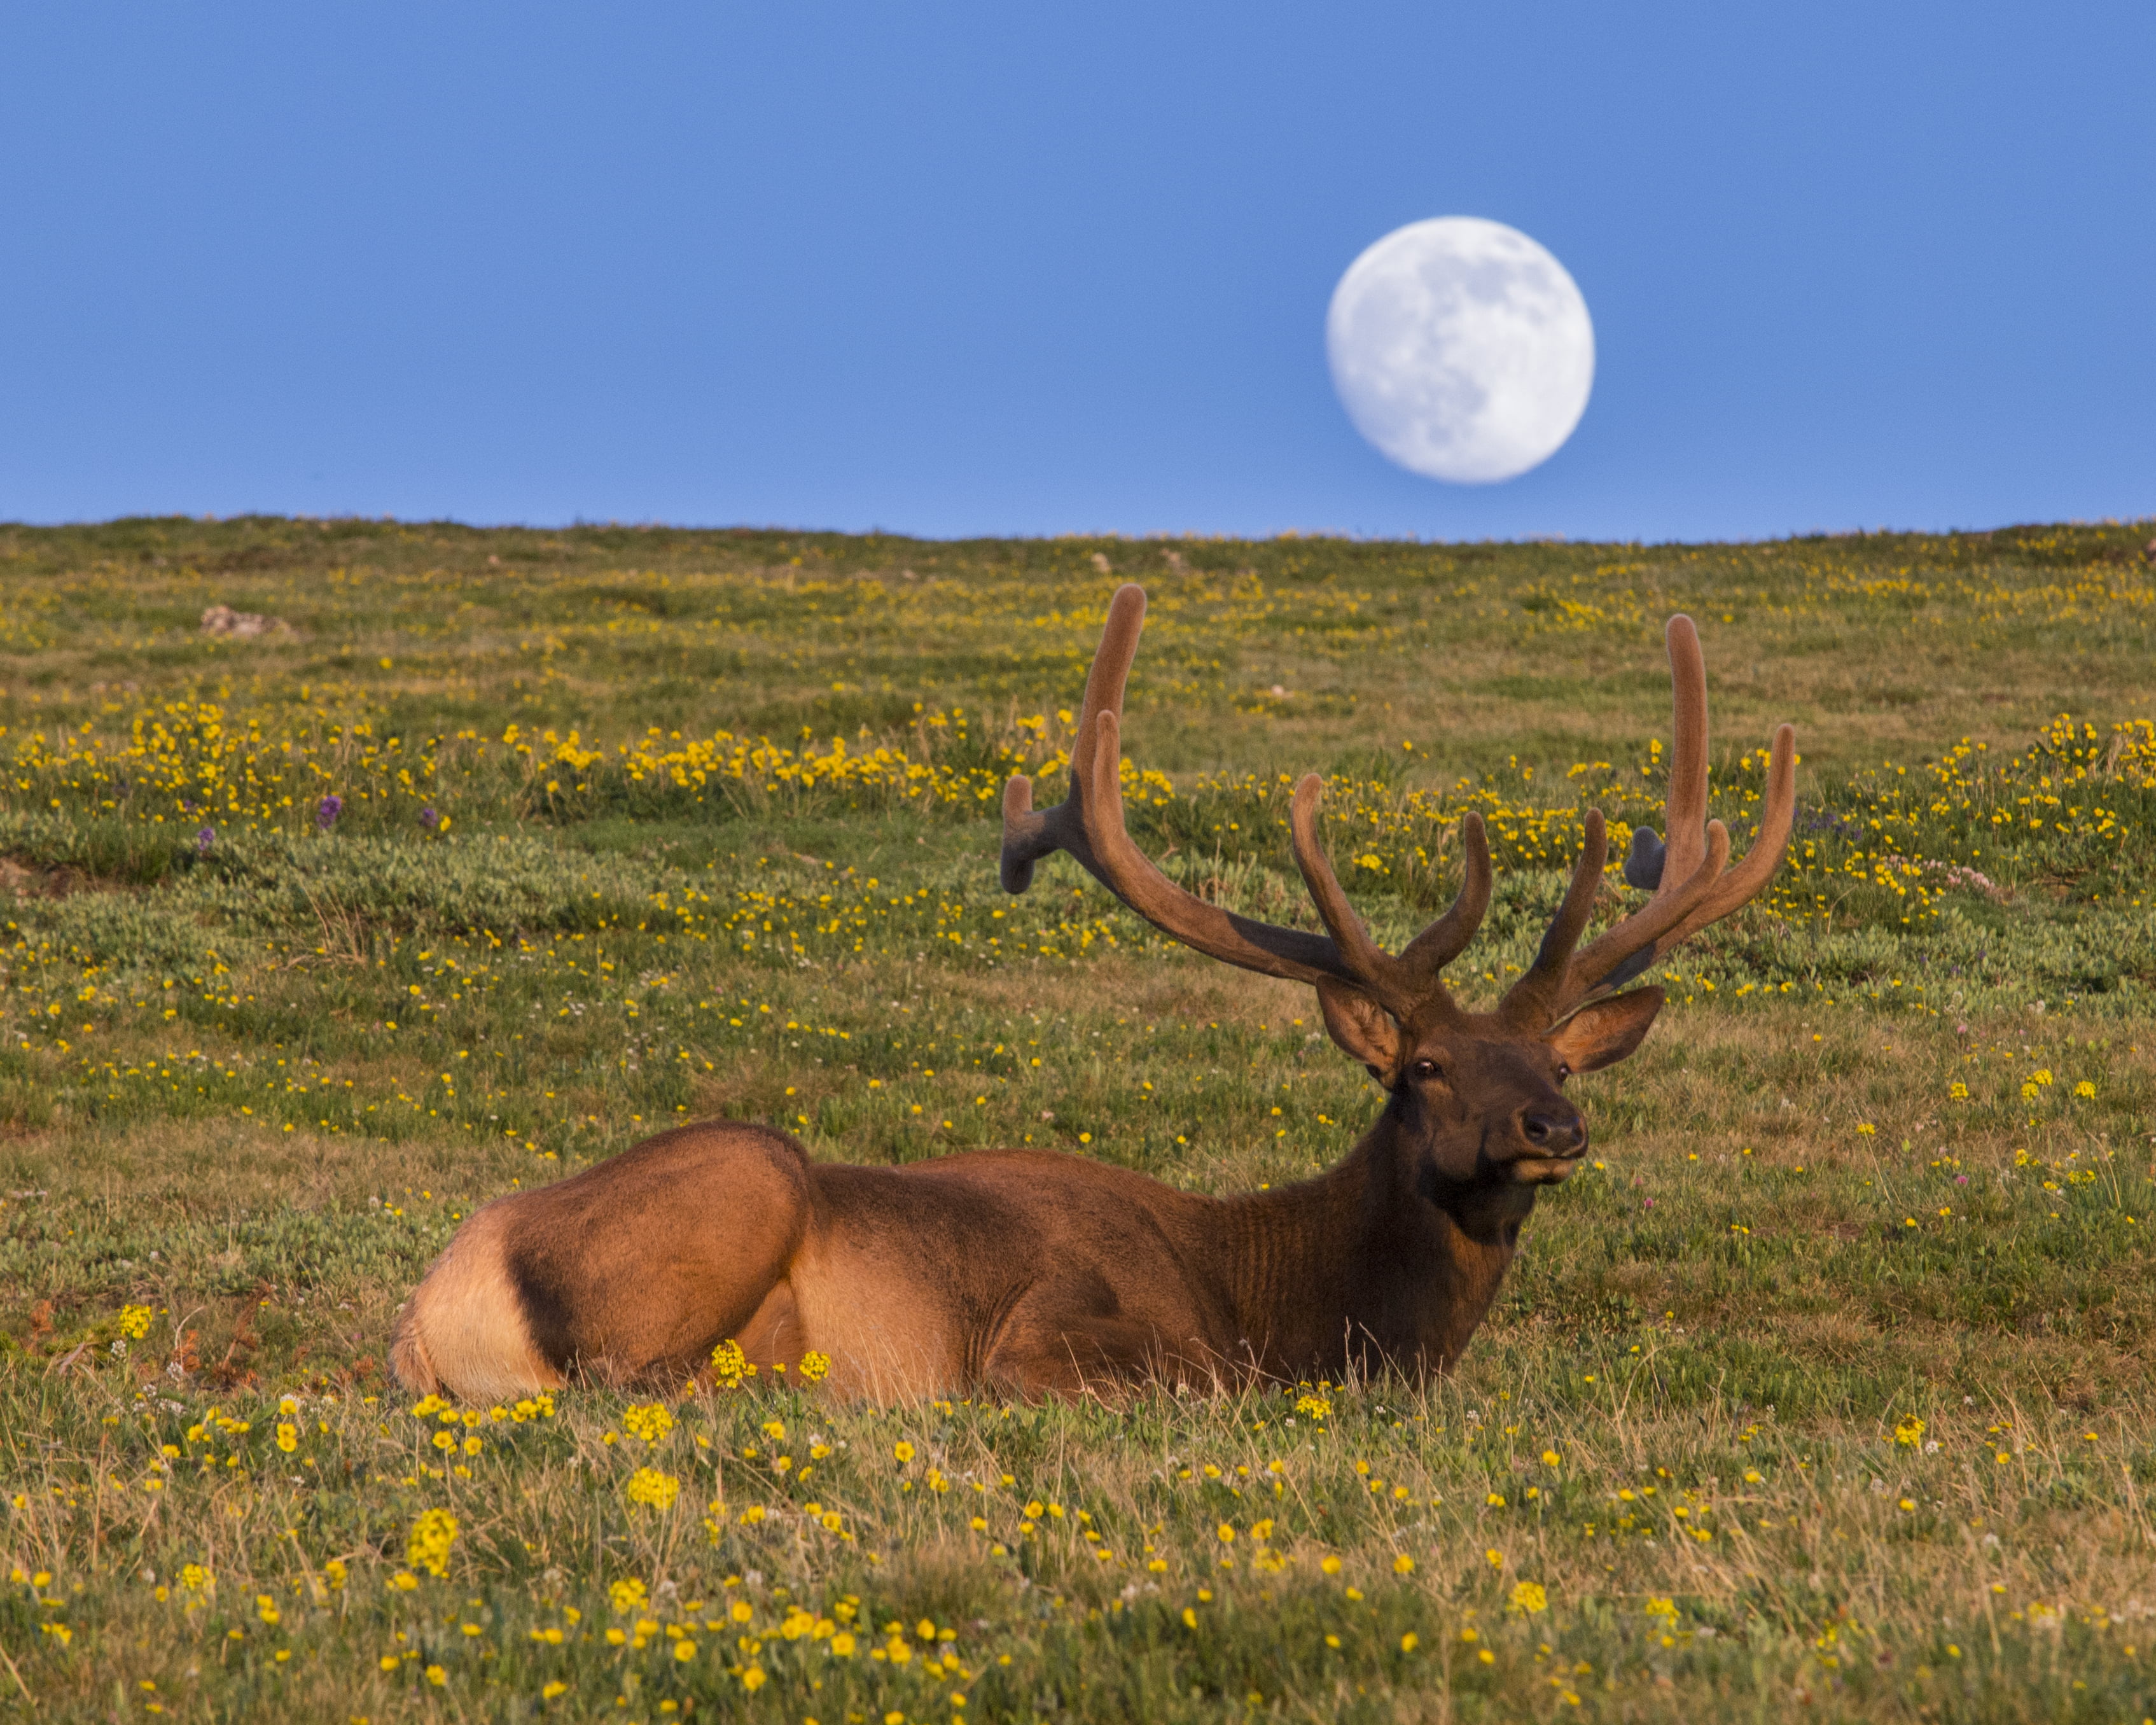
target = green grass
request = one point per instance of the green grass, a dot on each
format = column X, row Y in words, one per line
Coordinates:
column 1852, row 1186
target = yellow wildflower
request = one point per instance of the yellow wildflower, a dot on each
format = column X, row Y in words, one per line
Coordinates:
column 647, row 1486
column 649, row 1420
column 730, row 1365
column 432, row 1536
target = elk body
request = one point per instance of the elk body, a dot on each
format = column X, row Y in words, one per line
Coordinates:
column 1030, row 1272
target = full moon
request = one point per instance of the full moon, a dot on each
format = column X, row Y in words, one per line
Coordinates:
column 1461, row 349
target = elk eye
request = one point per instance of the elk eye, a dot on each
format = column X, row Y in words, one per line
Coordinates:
column 1563, row 1071
column 1425, row 1069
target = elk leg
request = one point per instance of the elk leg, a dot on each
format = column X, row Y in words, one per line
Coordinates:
column 772, row 1336
column 1076, row 1337
column 1064, row 1362
column 628, row 1272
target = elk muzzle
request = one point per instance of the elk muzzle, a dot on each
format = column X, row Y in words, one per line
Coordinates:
column 1551, row 1137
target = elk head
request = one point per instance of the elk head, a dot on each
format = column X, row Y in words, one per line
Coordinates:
column 1478, row 1097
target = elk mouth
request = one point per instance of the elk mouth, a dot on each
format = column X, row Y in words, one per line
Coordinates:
column 1545, row 1170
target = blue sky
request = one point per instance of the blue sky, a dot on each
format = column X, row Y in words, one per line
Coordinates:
column 958, row 270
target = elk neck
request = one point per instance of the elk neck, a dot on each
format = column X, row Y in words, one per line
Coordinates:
column 1373, row 1261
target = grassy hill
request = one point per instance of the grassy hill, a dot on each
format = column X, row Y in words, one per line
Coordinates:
column 1828, row 1385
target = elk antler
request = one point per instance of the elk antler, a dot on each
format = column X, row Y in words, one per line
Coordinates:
column 1690, row 888
column 1089, row 824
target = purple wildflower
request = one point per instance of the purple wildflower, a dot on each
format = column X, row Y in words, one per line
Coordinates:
column 429, row 819
column 328, row 810
column 204, row 839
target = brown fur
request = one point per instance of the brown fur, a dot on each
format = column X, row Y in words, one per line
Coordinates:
column 1020, row 1272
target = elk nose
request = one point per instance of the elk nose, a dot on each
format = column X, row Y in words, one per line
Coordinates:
column 1553, row 1132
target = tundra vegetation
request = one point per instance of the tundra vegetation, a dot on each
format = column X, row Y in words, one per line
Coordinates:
column 443, row 862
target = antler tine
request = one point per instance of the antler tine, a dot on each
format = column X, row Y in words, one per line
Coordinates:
column 1678, row 869
column 1690, row 889
column 1535, row 993
column 1684, row 807
column 1446, row 939
column 1027, row 836
column 1111, row 670
column 1089, row 824
column 1776, row 822
column 1617, row 955
column 1126, row 872
column 1379, row 973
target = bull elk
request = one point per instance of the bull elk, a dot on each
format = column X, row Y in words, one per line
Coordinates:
column 1030, row 1272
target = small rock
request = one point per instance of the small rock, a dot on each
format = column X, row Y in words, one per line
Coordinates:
column 241, row 625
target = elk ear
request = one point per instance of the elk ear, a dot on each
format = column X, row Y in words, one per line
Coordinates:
column 1363, row 1028
column 1601, row 1033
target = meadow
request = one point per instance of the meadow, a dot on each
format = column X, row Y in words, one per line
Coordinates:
column 1825, row 1391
